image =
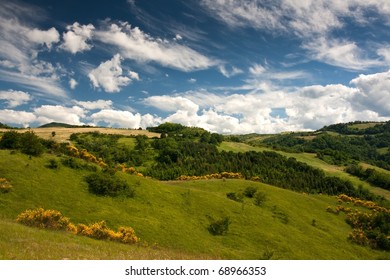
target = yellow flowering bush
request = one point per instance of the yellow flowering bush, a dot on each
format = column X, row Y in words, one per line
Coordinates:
column 370, row 228
column 5, row 185
column 42, row 218
column 52, row 219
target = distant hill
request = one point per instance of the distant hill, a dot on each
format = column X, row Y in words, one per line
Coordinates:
column 2, row 125
column 65, row 125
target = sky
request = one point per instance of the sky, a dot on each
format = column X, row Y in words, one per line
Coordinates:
column 231, row 67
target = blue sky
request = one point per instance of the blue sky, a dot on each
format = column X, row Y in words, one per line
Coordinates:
column 227, row 66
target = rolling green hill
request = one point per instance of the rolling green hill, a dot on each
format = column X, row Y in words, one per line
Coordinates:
column 172, row 217
column 178, row 219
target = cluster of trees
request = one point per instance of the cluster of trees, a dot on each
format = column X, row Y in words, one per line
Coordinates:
column 28, row 143
column 370, row 175
column 106, row 146
column 176, row 158
column 352, row 128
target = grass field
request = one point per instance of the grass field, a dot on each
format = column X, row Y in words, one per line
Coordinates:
column 62, row 134
column 172, row 217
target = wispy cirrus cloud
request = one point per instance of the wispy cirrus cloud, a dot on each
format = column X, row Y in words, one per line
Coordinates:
column 20, row 45
column 312, row 21
column 132, row 43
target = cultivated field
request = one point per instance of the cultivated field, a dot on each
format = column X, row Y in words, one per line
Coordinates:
column 62, row 134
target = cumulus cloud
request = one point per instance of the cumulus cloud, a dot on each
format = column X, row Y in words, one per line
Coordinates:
column 75, row 39
column 270, row 109
column 171, row 103
column 133, row 43
column 373, row 92
column 94, row 105
column 17, row 117
column 58, row 113
column 117, row 118
column 46, row 37
column 108, row 75
column 14, row 98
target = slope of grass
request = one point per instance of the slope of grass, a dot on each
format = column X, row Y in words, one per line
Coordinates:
column 174, row 215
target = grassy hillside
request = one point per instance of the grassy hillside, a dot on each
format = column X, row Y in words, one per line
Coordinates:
column 172, row 216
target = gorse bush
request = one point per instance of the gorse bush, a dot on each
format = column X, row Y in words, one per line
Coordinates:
column 105, row 184
column 370, row 228
column 42, row 218
column 5, row 185
column 52, row 219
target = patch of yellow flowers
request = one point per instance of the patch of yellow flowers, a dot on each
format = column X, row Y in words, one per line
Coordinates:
column 53, row 219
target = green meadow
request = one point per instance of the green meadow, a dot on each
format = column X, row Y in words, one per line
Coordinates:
column 170, row 217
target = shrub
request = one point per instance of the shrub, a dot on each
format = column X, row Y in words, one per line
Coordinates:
column 235, row 196
column 259, row 198
column 43, row 219
column 108, row 185
column 53, row 164
column 250, row 191
column 5, row 185
column 219, row 227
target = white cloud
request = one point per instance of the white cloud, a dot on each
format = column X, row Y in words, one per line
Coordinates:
column 94, row 105
column 20, row 45
column 257, row 71
column 58, row 113
column 171, row 103
column 75, row 39
column 112, row 117
column 133, row 75
column 229, row 73
column 134, row 44
column 266, row 108
column 385, row 53
column 108, row 75
column 16, row 117
column 373, row 92
column 304, row 18
column 314, row 21
column 14, row 98
column 340, row 53
column 72, row 83
column 191, row 80
column 178, row 37
column 47, row 37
